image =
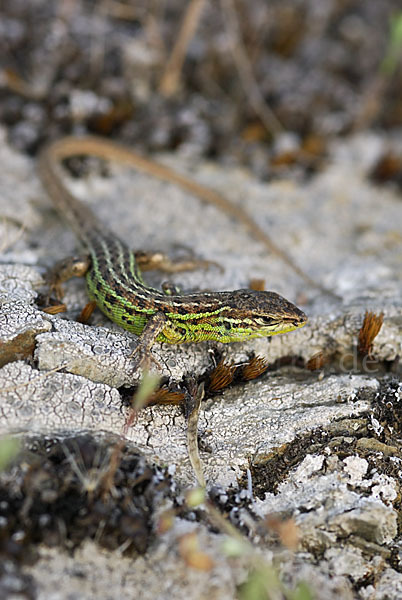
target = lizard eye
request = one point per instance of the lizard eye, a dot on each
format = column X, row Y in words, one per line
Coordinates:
column 267, row 320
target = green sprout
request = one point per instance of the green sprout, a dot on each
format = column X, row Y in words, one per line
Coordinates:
column 394, row 50
column 9, row 448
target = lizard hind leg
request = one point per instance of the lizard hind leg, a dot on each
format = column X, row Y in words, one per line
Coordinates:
column 170, row 289
column 157, row 260
column 65, row 269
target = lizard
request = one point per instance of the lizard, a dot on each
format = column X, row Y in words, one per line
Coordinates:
column 114, row 279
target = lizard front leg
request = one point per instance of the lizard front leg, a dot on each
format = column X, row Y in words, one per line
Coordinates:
column 142, row 352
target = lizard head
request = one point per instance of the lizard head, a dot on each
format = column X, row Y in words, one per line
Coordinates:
column 252, row 314
column 230, row 317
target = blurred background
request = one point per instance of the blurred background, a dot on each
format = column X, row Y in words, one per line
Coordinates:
column 265, row 84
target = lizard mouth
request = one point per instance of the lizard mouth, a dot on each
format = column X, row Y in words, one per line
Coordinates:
column 300, row 321
column 297, row 320
column 291, row 323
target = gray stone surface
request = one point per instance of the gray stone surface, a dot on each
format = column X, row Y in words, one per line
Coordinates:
column 46, row 401
column 20, row 322
column 235, row 428
column 239, row 427
column 388, row 587
column 328, row 506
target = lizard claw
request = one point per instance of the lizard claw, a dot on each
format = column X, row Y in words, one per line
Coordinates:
column 143, row 359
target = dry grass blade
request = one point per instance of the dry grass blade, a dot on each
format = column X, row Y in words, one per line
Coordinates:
column 86, row 312
column 171, row 76
column 165, row 396
column 317, row 361
column 11, row 80
column 221, row 376
column 9, row 241
column 126, row 12
column 197, row 395
column 257, row 284
column 56, row 309
column 254, row 368
column 370, row 328
column 244, row 68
